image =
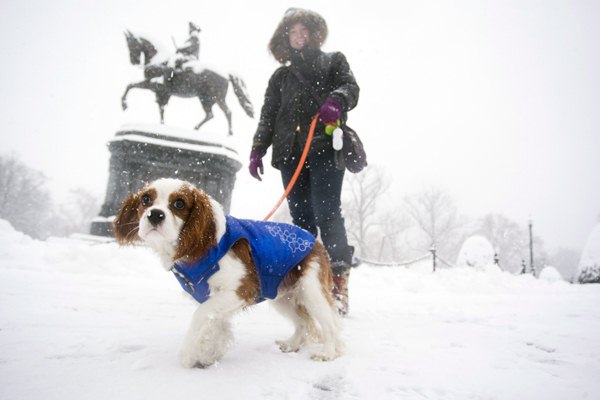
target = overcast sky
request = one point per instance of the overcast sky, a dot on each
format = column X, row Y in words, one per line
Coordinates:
column 495, row 102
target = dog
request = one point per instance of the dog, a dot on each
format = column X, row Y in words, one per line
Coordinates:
column 228, row 265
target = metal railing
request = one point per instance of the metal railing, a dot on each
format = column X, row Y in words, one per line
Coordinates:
column 432, row 253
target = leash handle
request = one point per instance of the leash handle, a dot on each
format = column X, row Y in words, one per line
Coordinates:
column 292, row 182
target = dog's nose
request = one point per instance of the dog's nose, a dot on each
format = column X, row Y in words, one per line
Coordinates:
column 156, row 216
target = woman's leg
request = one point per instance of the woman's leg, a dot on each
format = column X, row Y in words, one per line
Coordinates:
column 315, row 201
column 299, row 199
column 326, row 182
column 325, row 194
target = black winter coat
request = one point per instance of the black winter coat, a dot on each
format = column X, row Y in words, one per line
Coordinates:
column 289, row 106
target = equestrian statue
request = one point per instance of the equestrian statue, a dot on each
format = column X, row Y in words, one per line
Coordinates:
column 183, row 76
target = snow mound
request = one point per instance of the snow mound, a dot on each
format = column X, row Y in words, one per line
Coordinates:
column 74, row 255
column 16, row 246
column 550, row 274
column 476, row 252
column 8, row 233
column 589, row 265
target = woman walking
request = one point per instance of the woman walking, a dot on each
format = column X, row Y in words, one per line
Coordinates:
column 309, row 81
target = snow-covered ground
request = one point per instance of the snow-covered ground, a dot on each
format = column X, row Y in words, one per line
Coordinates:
column 88, row 320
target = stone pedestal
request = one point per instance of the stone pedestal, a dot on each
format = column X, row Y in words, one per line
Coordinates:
column 140, row 154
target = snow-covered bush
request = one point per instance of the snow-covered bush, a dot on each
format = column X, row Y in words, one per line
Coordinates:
column 476, row 252
column 589, row 265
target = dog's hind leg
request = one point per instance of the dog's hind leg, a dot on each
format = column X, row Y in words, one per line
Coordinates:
column 323, row 312
column 303, row 325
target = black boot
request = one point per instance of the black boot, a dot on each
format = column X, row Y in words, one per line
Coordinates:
column 341, row 276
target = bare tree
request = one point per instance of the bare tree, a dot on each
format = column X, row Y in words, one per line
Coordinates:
column 566, row 261
column 28, row 206
column 24, row 201
column 511, row 242
column 75, row 214
column 363, row 193
column 392, row 231
column 437, row 217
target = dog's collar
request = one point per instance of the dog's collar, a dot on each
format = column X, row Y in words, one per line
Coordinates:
column 200, row 289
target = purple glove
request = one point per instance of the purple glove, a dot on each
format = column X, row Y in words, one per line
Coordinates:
column 256, row 164
column 330, row 111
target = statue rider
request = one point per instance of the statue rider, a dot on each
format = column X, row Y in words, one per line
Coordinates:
column 191, row 47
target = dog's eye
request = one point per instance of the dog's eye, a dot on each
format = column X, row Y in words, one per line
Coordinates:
column 146, row 200
column 179, row 204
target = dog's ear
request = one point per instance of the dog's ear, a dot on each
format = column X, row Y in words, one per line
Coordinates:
column 126, row 224
column 198, row 233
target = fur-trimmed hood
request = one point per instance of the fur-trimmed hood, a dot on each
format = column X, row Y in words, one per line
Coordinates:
column 279, row 45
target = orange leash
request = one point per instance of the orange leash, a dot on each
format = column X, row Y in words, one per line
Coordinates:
column 290, row 185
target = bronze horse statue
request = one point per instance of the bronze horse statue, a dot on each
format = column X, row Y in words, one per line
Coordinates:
column 207, row 85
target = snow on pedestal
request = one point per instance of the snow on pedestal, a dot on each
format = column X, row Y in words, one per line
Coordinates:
column 476, row 252
column 589, row 265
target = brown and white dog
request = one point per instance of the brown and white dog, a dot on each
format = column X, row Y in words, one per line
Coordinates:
column 182, row 223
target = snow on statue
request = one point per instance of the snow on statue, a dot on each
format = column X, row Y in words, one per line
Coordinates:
column 183, row 77
column 589, row 265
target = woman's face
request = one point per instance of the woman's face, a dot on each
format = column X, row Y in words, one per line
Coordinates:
column 299, row 36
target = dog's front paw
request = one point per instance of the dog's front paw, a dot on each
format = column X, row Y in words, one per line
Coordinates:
column 206, row 346
column 188, row 361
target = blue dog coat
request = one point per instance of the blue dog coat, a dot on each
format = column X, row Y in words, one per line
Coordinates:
column 276, row 249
